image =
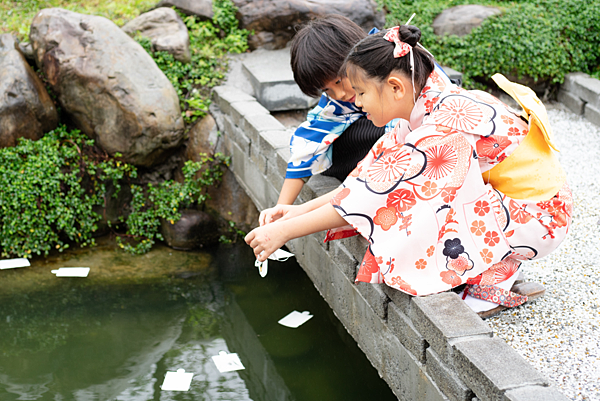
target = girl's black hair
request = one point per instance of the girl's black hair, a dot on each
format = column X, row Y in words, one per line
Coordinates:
column 375, row 56
column 319, row 50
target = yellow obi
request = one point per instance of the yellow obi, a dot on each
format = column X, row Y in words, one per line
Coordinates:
column 532, row 171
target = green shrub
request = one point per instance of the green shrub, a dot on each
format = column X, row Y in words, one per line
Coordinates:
column 542, row 39
column 210, row 41
column 154, row 203
column 51, row 186
column 49, row 189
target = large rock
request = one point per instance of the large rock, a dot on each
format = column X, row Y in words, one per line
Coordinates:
column 461, row 20
column 165, row 29
column 199, row 8
column 107, row 85
column 200, row 137
column 193, row 230
column 227, row 198
column 26, row 110
column 274, row 21
column 27, row 51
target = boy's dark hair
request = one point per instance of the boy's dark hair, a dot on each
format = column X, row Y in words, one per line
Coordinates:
column 375, row 56
column 319, row 50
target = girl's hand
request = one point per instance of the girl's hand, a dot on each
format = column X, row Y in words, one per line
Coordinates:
column 282, row 212
column 278, row 212
column 266, row 240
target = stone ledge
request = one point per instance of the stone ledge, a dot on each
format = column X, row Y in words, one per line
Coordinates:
column 405, row 331
column 348, row 264
column 580, row 93
column 573, row 102
column 534, row 393
column 583, row 86
column 490, row 367
column 446, row 379
column 592, row 114
column 444, row 318
column 224, row 96
column 256, row 124
column 318, row 185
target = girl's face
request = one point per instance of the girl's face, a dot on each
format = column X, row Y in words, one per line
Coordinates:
column 383, row 101
column 374, row 100
column 339, row 89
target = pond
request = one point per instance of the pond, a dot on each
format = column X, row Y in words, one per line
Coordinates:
column 115, row 334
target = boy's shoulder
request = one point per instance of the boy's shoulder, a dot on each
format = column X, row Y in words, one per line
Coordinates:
column 328, row 107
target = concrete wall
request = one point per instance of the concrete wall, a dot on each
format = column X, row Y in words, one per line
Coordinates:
column 426, row 348
column 581, row 94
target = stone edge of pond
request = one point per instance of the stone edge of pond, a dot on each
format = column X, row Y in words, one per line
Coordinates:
column 580, row 93
column 425, row 348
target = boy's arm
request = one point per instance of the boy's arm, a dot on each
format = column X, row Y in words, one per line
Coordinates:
column 290, row 190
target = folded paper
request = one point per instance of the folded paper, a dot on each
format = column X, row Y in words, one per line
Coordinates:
column 13, row 263
column 263, row 267
column 72, row 272
column 295, row 319
column 227, row 362
column 279, row 255
column 177, row 381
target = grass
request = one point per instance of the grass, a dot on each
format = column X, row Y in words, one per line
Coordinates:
column 16, row 15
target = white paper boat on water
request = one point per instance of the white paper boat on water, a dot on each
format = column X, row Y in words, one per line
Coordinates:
column 14, row 263
column 227, row 362
column 177, row 381
column 295, row 319
column 72, row 272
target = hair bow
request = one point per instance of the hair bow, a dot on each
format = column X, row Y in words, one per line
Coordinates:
column 402, row 48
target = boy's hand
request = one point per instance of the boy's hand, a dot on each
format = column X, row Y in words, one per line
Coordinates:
column 266, row 240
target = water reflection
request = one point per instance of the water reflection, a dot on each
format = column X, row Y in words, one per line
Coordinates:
column 115, row 334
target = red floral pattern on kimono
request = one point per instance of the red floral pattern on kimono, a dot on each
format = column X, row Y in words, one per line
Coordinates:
column 419, row 198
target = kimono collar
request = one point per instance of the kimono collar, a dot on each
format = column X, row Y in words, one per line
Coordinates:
column 436, row 83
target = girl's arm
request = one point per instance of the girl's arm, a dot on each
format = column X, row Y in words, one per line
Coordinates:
column 285, row 212
column 267, row 239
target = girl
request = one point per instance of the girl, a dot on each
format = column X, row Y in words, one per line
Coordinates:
column 460, row 192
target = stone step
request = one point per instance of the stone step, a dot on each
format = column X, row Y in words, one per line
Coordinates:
column 454, row 75
column 271, row 76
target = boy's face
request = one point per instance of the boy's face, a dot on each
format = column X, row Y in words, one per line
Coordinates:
column 339, row 89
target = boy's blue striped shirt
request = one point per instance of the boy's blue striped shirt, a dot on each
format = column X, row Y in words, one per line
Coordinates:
column 310, row 145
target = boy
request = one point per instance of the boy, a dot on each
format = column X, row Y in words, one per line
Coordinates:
column 336, row 134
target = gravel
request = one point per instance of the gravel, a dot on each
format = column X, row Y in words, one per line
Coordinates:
column 559, row 334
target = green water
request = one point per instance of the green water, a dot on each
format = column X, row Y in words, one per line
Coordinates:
column 115, row 334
